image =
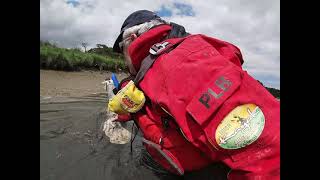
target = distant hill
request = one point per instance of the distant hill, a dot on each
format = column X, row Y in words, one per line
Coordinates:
column 105, row 51
column 273, row 91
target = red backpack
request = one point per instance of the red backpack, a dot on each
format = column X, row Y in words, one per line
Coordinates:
column 195, row 85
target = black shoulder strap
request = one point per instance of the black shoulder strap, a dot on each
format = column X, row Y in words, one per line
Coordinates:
column 145, row 66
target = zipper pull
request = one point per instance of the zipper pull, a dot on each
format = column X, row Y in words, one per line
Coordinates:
column 161, row 141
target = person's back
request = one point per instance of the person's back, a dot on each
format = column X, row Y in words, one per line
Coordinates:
column 202, row 107
column 219, row 107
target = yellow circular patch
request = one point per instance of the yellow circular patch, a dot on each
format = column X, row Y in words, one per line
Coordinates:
column 241, row 127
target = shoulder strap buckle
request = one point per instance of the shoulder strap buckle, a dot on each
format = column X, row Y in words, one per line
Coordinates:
column 158, row 48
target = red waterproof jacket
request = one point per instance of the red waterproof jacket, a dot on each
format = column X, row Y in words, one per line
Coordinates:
column 203, row 108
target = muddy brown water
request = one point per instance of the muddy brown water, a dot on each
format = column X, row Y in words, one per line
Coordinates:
column 72, row 143
column 73, row 84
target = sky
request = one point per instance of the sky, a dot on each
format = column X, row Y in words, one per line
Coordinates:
column 251, row 25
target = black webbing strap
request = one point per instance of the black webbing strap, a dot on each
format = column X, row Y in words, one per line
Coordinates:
column 145, row 66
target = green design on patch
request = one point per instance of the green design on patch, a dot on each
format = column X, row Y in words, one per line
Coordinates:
column 241, row 127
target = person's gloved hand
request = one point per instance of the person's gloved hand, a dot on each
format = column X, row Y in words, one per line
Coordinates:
column 122, row 84
column 120, row 117
column 123, row 117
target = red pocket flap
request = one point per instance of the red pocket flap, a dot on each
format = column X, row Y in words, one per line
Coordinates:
column 212, row 96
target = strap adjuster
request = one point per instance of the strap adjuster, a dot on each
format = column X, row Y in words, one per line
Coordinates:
column 156, row 49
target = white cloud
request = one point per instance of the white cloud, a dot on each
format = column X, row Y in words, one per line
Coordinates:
column 253, row 26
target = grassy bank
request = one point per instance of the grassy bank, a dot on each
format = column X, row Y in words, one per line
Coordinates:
column 53, row 57
column 99, row 58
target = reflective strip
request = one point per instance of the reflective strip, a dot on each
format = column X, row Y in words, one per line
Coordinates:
column 183, row 134
column 166, row 111
column 176, row 123
column 229, row 173
column 209, row 140
column 156, row 146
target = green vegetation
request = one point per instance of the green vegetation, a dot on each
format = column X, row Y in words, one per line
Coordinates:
column 105, row 51
column 100, row 58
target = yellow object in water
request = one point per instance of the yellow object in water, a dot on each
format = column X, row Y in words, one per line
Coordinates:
column 128, row 100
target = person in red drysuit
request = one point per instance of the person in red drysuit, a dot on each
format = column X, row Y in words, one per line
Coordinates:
column 201, row 106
